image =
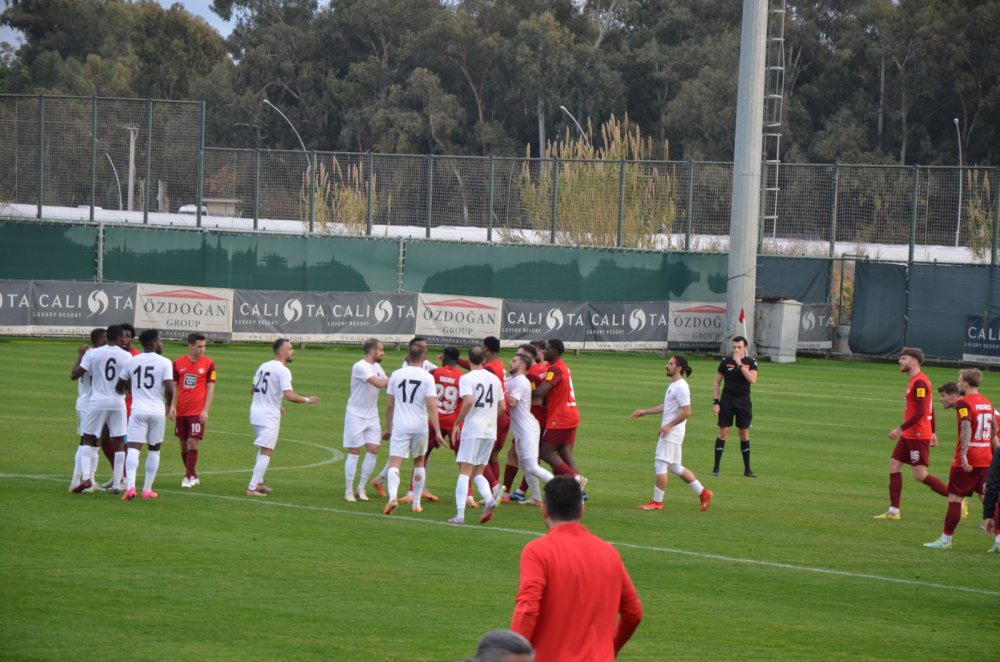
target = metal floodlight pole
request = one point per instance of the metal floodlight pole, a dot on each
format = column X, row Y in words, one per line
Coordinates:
column 294, row 130
column 578, row 127
column 958, row 219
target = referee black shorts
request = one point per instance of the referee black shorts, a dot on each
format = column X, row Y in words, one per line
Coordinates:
column 739, row 409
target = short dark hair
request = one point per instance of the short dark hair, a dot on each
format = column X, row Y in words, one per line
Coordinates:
column 557, row 345
column 525, row 359
column 683, row 363
column 115, row 333
column 492, row 343
column 417, row 352
column 451, row 354
column 128, row 327
column 497, row 645
column 416, row 340
column 915, row 352
column 476, row 355
column 148, row 337
column 195, row 337
column 529, row 349
column 538, row 344
column 742, row 340
column 563, row 498
column 97, row 334
column 279, row 343
column 949, row 387
column 371, row 344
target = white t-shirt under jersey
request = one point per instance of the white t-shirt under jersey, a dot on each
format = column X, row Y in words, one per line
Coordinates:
column 410, row 387
column 486, row 391
column 270, row 382
column 146, row 372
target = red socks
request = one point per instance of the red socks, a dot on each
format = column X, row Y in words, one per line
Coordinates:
column 190, row 460
column 895, row 489
column 935, row 484
column 509, row 474
column 953, row 517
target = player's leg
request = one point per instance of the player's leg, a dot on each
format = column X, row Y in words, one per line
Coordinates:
column 895, row 481
column 373, row 442
column 133, row 449
column 196, row 434
column 511, row 467
column 418, row 450
column 266, row 440
column 724, row 422
column 153, row 457
column 953, row 515
column 920, row 455
column 461, row 491
column 182, row 431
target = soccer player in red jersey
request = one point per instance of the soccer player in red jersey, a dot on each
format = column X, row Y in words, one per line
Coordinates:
column 915, row 435
column 973, row 453
column 194, row 379
column 446, row 380
column 563, row 416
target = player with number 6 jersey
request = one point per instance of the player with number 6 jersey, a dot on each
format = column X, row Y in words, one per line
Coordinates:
column 194, row 377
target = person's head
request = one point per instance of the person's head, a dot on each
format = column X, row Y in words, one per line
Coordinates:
column 283, row 350
column 530, row 350
column 98, row 337
column 678, row 366
column 129, row 334
column 417, row 353
column 519, row 364
column 116, row 335
column 563, row 500
column 491, row 345
column 910, row 359
column 450, row 355
column 150, row 341
column 476, row 356
column 374, row 349
column 554, row 350
column 539, row 345
column 950, row 394
column 969, row 381
column 196, row 345
column 504, row 646
column 418, row 341
column 740, row 346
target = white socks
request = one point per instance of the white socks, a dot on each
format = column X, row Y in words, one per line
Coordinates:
column 419, row 478
column 95, row 456
column 367, row 467
column 119, row 470
column 152, row 466
column 461, row 495
column 259, row 469
column 658, row 494
column 392, row 478
column 78, row 472
column 483, row 486
column 697, row 487
column 131, row 466
column 350, row 469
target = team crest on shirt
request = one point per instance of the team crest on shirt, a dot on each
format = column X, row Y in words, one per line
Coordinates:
column 201, row 371
column 921, row 392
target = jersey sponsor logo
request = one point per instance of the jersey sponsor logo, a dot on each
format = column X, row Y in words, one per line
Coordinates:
column 190, row 380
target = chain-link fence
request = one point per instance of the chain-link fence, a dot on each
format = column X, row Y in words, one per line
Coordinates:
column 138, row 160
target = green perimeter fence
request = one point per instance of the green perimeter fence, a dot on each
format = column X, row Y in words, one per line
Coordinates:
column 145, row 157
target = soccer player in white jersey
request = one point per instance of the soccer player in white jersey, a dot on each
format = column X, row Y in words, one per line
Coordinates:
column 107, row 403
column 410, row 402
column 271, row 383
column 524, row 424
column 482, row 401
column 676, row 409
column 83, row 388
column 150, row 377
column 362, row 428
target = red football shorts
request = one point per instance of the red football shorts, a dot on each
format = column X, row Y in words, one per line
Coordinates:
column 188, row 427
column 963, row 484
column 559, row 436
column 915, row 452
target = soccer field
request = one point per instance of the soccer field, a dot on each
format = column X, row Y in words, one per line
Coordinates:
column 790, row 565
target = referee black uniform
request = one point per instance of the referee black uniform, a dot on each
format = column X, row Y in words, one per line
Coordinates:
column 735, row 405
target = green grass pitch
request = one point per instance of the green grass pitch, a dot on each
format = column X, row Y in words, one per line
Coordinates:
column 788, row 566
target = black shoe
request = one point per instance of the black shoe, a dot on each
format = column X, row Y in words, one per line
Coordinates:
column 583, row 495
column 715, row 472
column 749, row 474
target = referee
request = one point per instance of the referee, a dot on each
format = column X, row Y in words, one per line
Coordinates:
column 738, row 372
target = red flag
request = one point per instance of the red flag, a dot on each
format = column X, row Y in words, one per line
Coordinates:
column 742, row 316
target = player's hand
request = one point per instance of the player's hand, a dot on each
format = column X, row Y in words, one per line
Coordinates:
column 934, row 440
column 665, row 430
column 203, row 417
column 281, row 409
column 314, row 399
column 966, row 467
column 638, row 413
column 439, row 438
column 715, row 409
column 990, row 526
column 172, row 413
column 83, row 349
column 386, row 435
column 895, row 433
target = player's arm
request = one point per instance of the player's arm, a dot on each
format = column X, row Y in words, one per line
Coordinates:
column 552, row 377
column 964, row 439
column 432, row 414
column 209, row 396
column 390, row 407
column 124, row 383
column 292, row 396
column 77, row 371
column 639, row 413
column 378, row 382
column 630, row 610
column 716, row 390
column 168, row 391
column 502, row 403
column 749, row 372
column 528, row 602
column 462, row 413
column 682, row 415
column 172, row 405
column 921, row 393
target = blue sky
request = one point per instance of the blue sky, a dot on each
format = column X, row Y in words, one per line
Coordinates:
column 196, row 7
